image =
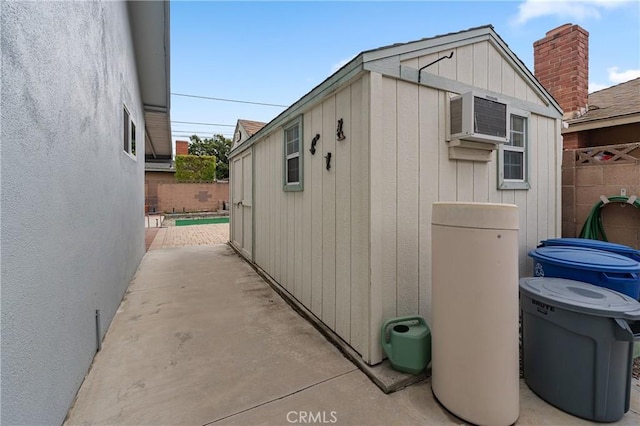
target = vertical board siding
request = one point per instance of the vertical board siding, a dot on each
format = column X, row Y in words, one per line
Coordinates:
column 429, row 176
column 378, row 201
column 531, row 226
column 388, row 188
column 441, row 179
column 307, row 216
column 355, row 245
column 329, row 123
column 315, row 242
column 465, row 169
column 407, row 201
column 342, row 158
column 359, row 253
column 316, row 164
column 480, row 67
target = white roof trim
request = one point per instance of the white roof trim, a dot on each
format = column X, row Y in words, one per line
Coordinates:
column 387, row 61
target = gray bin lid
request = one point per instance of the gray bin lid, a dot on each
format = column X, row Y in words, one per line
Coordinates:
column 581, row 297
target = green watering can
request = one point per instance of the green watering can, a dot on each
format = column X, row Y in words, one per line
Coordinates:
column 407, row 345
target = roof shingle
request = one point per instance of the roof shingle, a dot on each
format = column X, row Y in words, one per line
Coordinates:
column 622, row 99
column 251, row 127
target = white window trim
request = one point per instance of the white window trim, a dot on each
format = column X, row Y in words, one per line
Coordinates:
column 293, row 186
column 130, row 126
column 516, row 183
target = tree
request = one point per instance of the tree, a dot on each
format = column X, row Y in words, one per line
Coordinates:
column 195, row 168
column 218, row 146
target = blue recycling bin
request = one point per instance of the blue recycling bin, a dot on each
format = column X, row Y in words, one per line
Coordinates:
column 597, row 267
column 620, row 249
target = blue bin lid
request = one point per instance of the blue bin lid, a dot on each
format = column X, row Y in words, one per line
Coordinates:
column 581, row 297
column 594, row 244
column 585, row 258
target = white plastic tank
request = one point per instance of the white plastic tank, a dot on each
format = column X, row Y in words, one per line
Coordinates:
column 475, row 368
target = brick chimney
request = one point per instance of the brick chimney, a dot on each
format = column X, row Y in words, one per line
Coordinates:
column 182, row 148
column 561, row 64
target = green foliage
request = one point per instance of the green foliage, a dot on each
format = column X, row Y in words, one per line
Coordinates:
column 195, row 168
column 218, row 146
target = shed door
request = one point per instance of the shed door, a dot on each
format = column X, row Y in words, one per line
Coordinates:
column 242, row 204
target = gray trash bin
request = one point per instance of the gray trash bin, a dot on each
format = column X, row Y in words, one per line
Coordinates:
column 577, row 342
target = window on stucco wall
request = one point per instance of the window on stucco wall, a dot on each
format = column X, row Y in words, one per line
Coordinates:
column 129, row 134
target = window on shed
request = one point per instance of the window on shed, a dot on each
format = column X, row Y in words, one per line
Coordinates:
column 513, row 172
column 293, row 155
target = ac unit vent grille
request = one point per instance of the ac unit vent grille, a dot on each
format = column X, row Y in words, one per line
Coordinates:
column 490, row 117
column 455, row 109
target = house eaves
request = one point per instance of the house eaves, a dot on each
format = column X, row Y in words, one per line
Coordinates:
column 387, row 61
column 150, row 30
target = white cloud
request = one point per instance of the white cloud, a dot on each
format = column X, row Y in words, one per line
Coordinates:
column 616, row 76
column 578, row 10
column 341, row 64
column 594, row 87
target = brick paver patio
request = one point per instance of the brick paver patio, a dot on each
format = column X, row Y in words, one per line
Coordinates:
column 193, row 235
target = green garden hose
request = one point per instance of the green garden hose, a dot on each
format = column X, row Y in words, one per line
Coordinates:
column 593, row 227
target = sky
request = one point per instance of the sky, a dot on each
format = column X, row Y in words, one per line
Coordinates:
column 276, row 52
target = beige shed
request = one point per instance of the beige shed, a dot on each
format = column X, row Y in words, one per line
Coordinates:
column 332, row 199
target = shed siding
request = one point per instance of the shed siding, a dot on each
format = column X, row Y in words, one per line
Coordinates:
column 315, row 243
column 354, row 246
column 412, row 170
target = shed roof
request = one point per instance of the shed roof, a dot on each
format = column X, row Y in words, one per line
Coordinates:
column 616, row 101
column 251, row 127
column 367, row 60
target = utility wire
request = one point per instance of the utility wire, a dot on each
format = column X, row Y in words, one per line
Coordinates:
column 228, row 100
column 186, row 134
column 203, row 124
column 225, row 131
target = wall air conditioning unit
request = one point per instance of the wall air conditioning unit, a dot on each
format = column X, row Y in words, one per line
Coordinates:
column 478, row 118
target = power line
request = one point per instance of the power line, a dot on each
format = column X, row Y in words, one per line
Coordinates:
column 201, row 131
column 188, row 135
column 203, row 124
column 229, row 100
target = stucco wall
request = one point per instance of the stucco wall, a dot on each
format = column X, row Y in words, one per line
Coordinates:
column 72, row 200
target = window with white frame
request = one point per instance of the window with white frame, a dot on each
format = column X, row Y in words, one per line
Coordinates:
column 293, row 155
column 129, row 136
column 513, row 162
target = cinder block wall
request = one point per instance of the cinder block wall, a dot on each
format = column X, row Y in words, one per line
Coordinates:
column 582, row 187
column 192, row 197
column 151, row 180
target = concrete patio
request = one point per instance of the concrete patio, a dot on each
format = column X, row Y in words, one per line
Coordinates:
column 200, row 338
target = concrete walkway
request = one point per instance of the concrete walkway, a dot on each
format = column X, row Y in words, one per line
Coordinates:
column 201, row 339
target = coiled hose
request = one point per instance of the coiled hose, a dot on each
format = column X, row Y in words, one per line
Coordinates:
column 593, row 227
